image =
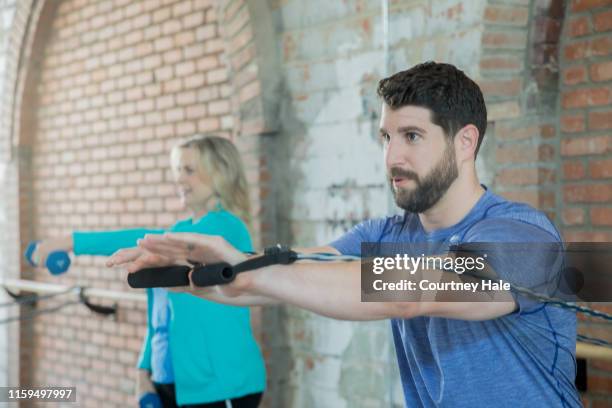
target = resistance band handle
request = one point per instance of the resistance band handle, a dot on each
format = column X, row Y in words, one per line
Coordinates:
column 208, row 275
column 173, row 276
column 213, row 274
column 164, row 277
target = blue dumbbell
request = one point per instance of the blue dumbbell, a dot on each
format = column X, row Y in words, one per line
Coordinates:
column 57, row 263
column 149, row 400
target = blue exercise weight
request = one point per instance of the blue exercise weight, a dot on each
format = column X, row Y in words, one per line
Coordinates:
column 57, row 262
column 30, row 251
column 149, row 400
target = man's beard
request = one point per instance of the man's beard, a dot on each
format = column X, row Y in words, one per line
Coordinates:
column 429, row 190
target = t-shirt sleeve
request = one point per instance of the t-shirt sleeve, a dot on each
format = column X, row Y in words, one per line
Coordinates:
column 108, row 242
column 527, row 256
column 367, row 231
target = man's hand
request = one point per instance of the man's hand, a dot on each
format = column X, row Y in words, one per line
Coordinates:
column 124, row 256
column 176, row 248
column 205, row 249
column 135, row 259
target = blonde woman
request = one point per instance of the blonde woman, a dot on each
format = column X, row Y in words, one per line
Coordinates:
column 196, row 353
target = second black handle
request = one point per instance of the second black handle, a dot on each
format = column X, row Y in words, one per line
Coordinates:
column 213, row 274
column 164, row 277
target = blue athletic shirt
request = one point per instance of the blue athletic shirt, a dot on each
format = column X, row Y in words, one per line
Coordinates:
column 523, row 359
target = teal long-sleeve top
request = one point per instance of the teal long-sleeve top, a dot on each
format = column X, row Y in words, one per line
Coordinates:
column 207, row 349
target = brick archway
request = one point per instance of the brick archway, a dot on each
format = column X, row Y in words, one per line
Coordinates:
column 14, row 159
column 252, row 67
column 251, row 119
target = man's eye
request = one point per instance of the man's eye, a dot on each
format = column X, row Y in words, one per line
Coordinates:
column 188, row 170
column 385, row 137
column 412, row 137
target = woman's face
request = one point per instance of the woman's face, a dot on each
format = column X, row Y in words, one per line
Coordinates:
column 194, row 187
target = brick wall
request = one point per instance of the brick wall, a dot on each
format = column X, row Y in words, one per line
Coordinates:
column 519, row 80
column 331, row 175
column 252, row 69
column 114, row 86
column 114, row 83
column 585, row 123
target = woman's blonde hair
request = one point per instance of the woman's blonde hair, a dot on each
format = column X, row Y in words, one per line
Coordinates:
column 221, row 161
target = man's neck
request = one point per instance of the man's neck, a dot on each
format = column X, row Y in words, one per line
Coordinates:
column 454, row 205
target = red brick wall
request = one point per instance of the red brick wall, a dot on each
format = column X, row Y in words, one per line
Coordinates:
column 585, row 126
column 547, row 78
column 519, row 84
column 120, row 81
column 586, row 121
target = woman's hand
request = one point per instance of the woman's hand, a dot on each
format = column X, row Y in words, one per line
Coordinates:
column 46, row 246
column 143, row 383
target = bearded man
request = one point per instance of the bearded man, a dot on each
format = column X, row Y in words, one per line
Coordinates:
column 450, row 354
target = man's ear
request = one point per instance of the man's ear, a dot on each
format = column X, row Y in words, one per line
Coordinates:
column 466, row 141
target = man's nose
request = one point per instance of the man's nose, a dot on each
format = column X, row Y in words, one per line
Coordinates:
column 396, row 153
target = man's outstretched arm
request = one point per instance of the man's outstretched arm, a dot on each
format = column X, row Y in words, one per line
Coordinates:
column 329, row 288
column 334, row 290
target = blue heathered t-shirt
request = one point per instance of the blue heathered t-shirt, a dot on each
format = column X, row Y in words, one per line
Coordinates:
column 524, row 359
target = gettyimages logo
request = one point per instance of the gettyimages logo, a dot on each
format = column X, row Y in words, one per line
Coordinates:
column 412, row 264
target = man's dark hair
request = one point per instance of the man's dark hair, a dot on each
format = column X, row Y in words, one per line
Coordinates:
column 453, row 99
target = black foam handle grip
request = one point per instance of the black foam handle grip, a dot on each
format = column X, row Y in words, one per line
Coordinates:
column 165, row 277
column 213, row 274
